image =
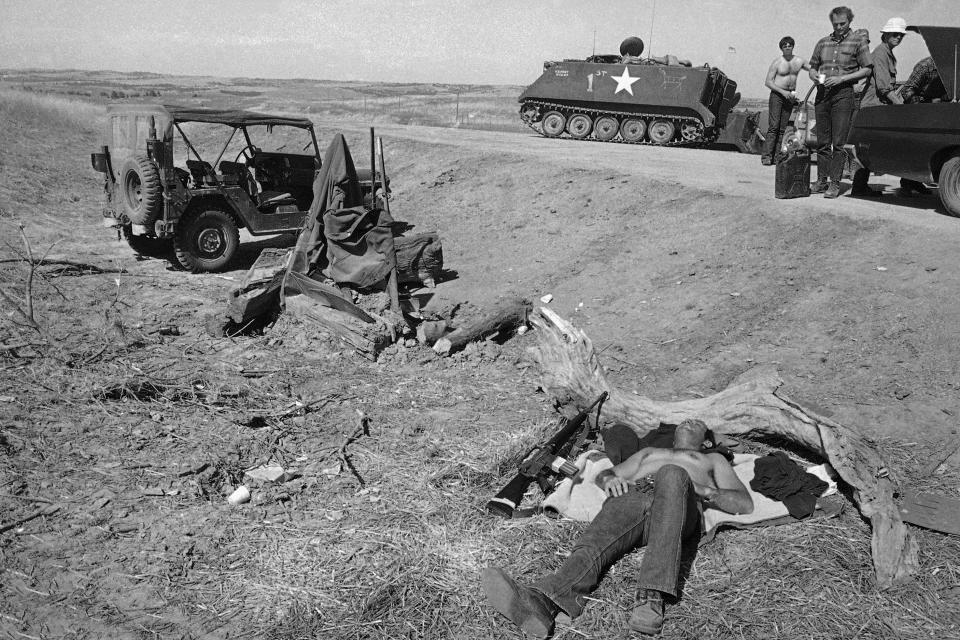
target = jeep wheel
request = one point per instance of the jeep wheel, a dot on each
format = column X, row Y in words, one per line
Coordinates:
column 949, row 186
column 147, row 246
column 206, row 240
column 140, row 193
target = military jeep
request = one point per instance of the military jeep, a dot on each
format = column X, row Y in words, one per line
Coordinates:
column 165, row 197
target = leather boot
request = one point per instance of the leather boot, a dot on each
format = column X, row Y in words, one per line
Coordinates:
column 647, row 614
column 527, row 608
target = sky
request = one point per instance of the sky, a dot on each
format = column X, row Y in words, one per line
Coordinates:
column 502, row 42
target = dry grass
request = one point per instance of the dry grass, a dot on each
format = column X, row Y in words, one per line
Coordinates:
column 51, row 110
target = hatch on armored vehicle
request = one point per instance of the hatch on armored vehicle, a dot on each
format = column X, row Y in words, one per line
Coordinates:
column 627, row 98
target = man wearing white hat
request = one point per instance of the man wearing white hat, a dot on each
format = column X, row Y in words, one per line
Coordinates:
column 880, row 88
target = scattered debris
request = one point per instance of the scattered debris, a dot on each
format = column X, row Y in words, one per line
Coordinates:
column 266, row 473
column 240, row 495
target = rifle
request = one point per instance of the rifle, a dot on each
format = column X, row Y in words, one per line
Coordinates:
column 551, row 456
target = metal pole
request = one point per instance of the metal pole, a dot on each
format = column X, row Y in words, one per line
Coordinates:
column 373, row 170
column 653, row 12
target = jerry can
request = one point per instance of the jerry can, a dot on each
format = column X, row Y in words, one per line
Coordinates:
column 793, row 175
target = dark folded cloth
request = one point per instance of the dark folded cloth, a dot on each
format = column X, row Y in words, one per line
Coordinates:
column 778, row 477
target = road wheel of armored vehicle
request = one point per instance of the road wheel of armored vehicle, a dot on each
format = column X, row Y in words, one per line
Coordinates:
column 691, row 131
column 206, row 240
column 633, row 129
column 553, row 124
column 661, row 131
column 580, row 125
column 141, row 195
column 605, row 128
column 949, row 186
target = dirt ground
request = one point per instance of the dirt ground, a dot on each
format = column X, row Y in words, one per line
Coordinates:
column 678, row 263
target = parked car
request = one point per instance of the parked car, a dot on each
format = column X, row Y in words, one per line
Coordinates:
column 195, row 207
column 919, row 141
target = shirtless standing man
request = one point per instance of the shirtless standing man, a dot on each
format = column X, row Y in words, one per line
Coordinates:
column 782, row 82
column 656, row 498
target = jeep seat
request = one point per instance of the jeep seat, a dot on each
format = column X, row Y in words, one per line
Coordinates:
column 233, row 172
column 268, row 200
column 202, row 173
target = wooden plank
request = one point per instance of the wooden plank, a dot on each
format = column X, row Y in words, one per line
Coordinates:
column 931, row 511
column 270, row 260
column 367, row 338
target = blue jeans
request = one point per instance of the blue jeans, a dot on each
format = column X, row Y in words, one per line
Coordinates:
column 778, row 117
column 834, row 109
column 660, row 514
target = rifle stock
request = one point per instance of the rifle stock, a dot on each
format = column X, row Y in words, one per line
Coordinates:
column 543, row 459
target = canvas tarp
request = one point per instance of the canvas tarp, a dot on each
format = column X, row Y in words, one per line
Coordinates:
column 341, row 239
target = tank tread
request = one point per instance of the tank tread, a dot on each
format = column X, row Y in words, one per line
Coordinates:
column 593, row 113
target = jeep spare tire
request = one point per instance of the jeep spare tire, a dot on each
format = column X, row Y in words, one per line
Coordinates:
column 140, row 193
column 206, row 240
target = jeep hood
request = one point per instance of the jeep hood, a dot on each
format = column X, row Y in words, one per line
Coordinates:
column 944, row 45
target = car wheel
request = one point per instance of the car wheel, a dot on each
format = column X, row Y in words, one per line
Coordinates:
column 949, row 186
column 206, row 240
column 141, row 195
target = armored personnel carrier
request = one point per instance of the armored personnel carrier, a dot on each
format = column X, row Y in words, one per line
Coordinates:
column 626, row 98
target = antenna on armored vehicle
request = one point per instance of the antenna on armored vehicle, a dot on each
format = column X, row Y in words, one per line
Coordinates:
column 653, row 12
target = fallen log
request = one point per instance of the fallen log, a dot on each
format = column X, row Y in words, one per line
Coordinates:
column 506, row 315
column 752, row 405
column 432, row 330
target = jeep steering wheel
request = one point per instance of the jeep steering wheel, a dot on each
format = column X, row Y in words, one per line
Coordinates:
column 247, row 152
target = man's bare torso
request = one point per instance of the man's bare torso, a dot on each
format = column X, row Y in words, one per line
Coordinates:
column 697, row 465
column 787, row 70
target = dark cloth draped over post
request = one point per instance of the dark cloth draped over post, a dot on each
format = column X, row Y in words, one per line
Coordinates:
column 341, row 239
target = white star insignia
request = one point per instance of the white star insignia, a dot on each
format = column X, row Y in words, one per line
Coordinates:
column 624, row 82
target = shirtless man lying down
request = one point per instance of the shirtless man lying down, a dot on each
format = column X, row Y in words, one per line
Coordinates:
column 656, row 498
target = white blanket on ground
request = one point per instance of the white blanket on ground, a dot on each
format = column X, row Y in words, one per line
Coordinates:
column 579, row 498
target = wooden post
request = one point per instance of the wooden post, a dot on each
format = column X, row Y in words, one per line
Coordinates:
column 392, row 281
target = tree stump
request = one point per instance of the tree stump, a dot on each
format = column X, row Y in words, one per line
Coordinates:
column 751, row 405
